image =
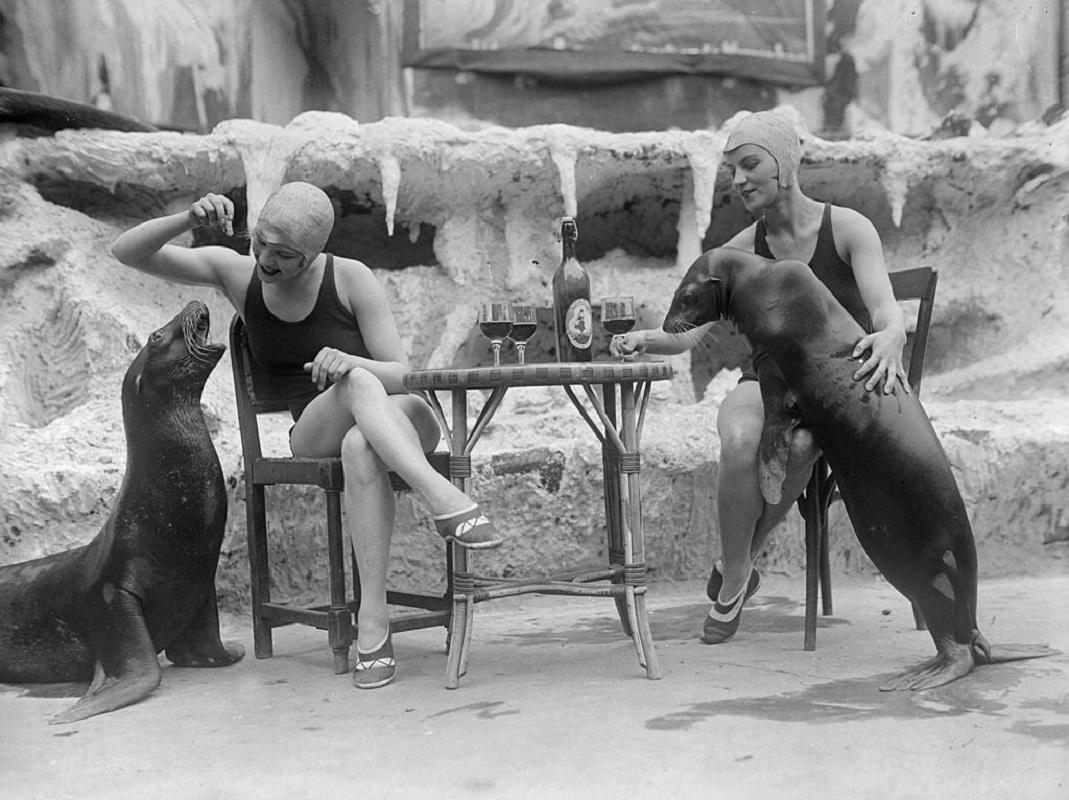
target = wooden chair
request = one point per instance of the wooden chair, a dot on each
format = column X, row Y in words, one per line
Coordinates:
column 909, row 284
column 326, row 473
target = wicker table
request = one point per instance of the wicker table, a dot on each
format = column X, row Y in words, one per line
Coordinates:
column 618, row 412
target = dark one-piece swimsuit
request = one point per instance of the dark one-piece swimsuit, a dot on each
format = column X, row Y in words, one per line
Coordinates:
column 280, row 349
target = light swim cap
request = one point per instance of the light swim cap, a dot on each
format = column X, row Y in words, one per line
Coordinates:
column 302, row 212
column 772, row 132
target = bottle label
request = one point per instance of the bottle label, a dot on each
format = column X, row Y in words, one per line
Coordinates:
column 579, row 324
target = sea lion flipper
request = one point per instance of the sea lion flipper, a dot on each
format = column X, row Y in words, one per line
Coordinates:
column 986, row 654
column 199, row 644
column 126, row 668
column 954, row 660
column 774, row 449
column 773, row 455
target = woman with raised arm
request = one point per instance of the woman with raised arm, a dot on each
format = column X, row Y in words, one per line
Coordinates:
column 319, row 325
column 763, row 153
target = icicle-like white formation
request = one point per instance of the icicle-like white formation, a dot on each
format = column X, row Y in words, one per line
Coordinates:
column 895, row 182
column 267, row 152
column 564, row 155
column 689, row 242
column 263, row 174
column 390, row 170
column 265, row 159
column 704, row 152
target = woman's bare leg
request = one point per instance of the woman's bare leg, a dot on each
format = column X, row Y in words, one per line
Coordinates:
column 328, row 428
column 738, row 492
column 745, row 518
column 369, row 516
column 400, row 429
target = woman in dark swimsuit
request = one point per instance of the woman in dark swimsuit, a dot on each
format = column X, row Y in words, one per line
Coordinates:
column 843, row 248
column 321, row 326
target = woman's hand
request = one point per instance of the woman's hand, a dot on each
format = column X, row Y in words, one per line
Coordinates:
column 213, row 211
column 628, row 344
column 330, row 365
column 884, row 362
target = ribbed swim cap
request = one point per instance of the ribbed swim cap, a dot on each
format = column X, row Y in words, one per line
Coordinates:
column 774, row 133
column 303, row 212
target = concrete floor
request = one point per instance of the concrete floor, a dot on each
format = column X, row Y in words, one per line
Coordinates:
column 555, row 706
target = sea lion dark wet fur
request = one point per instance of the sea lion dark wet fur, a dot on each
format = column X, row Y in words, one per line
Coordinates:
column 893, row 475
column 146, row 583
column 41, row 114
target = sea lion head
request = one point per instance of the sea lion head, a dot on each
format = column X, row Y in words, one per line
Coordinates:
column 699, row 297
column 176, row 360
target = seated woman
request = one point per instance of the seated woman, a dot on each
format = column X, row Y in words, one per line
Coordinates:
column 321, row 327
column 842, row 247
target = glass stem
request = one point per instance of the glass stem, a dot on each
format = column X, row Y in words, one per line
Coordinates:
column 520, row 347
column 497, row 353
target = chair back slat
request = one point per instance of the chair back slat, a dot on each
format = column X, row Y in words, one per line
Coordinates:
column 918, row 283
column 248, row 404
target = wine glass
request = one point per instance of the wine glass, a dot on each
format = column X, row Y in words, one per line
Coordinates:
column 495, row 322
column 524, row 324
column 618, row 315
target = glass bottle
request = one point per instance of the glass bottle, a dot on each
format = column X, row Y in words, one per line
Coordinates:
column 572, row 314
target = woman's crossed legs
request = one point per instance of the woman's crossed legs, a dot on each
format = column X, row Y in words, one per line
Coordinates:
column 374, row 432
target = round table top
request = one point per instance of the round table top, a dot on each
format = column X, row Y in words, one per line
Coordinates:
column 549, row 374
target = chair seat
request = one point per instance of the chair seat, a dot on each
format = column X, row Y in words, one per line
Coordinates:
column 324, row 472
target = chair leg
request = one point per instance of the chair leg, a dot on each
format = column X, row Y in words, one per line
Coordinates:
column 339, row 618
column 812, row 558
column 259, row 571
column 825, row 561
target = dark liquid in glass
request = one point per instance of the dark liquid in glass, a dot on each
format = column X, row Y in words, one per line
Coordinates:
column 522, row 331
column 495, row 330
column 618, row 327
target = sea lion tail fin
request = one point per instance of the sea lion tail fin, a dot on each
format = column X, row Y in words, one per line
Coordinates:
column 985, row 653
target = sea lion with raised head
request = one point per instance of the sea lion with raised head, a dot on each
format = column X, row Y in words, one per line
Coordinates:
column 146, row 583
column 892, row 473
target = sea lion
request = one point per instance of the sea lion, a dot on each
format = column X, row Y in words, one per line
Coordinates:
column 893, row 475
column 42, row 114
column 146, row 583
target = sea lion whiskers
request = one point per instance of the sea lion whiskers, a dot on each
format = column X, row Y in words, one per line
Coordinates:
column 704, row 344
column 708, row 342
column 195, row 329
column 199, row 351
